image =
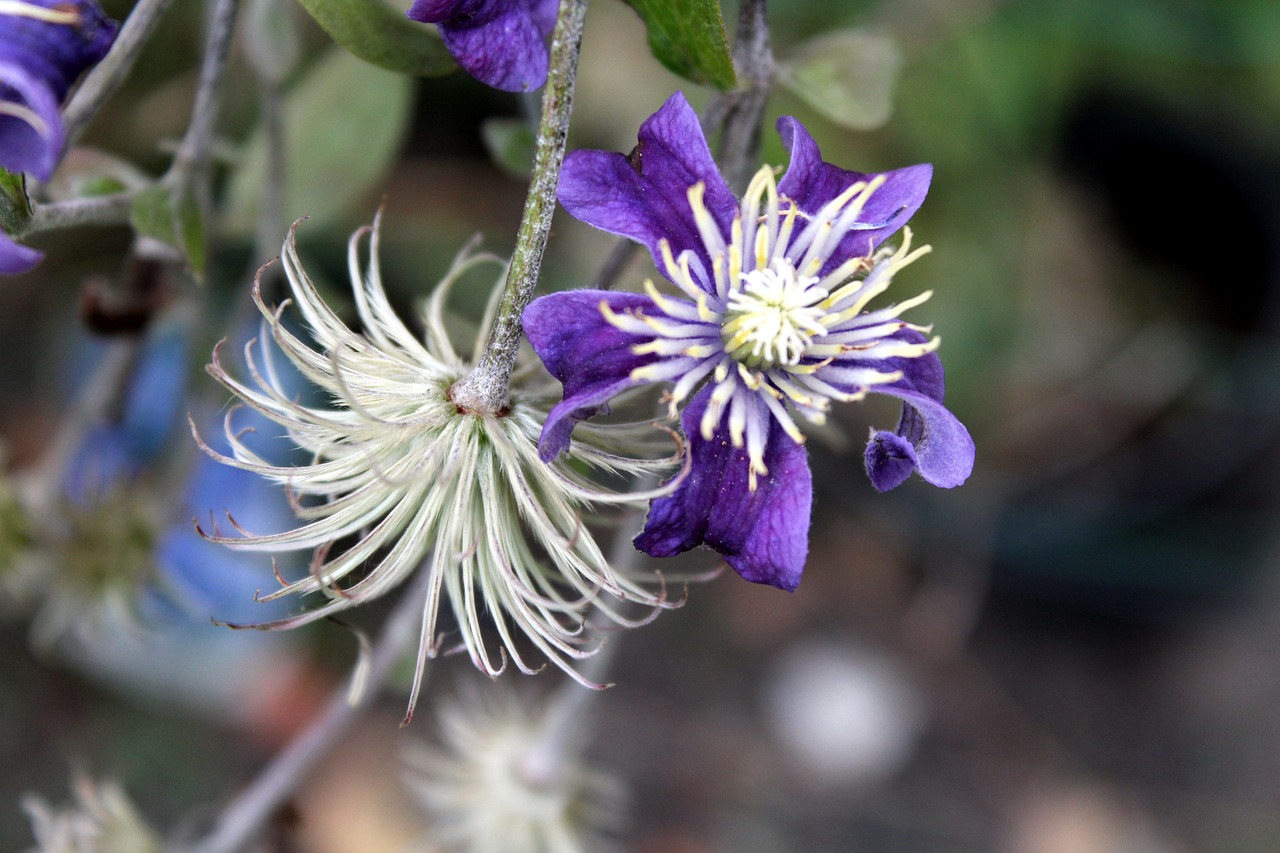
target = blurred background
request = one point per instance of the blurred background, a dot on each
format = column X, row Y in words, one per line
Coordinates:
column 1076, row 651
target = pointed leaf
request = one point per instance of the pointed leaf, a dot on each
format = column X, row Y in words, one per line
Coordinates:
column 688, row 37
column 379, row 34
column 15, row 207
column 159, row 213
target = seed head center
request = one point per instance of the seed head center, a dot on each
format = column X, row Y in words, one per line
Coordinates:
column 773, row 316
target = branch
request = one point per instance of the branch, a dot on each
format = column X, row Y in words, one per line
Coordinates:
column 99, row 210
column 193, row 152
column 740, row 112
column 487, row 388
column 245, row 816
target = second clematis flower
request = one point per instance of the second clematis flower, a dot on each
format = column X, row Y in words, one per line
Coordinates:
column 770, row 321
column 501, row 43
column 44, row 46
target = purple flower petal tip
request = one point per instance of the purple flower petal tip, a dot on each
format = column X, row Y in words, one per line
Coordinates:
column 929, row 439
column 15, row 259
column 890, row 459
column 592, row 358
column 763, row 533
column 643, row 195
column 811, row 182
column 501, row 43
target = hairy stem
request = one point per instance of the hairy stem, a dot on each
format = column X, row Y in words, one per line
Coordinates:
column 487, row 388
column 245, row 816
column 100, row 210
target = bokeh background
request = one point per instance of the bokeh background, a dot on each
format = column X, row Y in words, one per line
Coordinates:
column 1076, row 652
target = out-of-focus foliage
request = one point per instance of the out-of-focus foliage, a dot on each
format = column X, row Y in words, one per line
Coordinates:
column 377, row 33
column 344, row 125
column 848, row 76
column 510, row 143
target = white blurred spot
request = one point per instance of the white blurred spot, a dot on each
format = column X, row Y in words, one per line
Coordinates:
column 842, row 714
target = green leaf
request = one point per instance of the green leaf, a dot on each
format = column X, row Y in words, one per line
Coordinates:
column 848, row 76
column 379, row 34
column 190, row 225
column 152, row 214
column 15, row 207
column 510, row 142
column 688, row 37
column 174, row 219
column 344, row 121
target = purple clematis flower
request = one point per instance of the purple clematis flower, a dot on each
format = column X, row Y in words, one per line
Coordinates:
column 771, row 321
column 501, row 43
column 44, row 46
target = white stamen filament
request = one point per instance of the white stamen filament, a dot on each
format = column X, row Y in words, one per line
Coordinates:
column 773, row 316
column 21, row 9
column 27, row 115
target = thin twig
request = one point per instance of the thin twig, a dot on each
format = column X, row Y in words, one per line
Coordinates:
column 244, row 817
column 106, row 77
column 487, row 388
column 192, row 157
column 100, row 210
column 740, row 112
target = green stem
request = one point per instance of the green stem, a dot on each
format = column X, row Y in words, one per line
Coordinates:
column 487, row 388
column 99, row 210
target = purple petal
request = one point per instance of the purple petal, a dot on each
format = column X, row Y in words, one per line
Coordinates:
column 763, row 535
column 922, row 373
column 890, row 460
column 544, row 15
column 39, row 60
column 16, row 259
column 502, row 43
column 643, row 195
column 56, row 53
column 589, row 356
column 811, row 183
column 34, row 145
column 942, row 447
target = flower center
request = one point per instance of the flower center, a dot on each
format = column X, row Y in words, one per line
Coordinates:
column 773, row 315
